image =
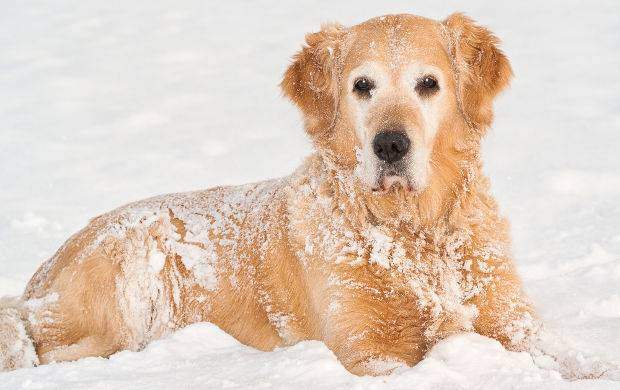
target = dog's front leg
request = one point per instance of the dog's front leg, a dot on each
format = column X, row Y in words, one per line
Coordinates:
column 374, row 336
column 504, row 312
column 363, row 350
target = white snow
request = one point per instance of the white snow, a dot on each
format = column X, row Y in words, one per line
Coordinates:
column 102, row 104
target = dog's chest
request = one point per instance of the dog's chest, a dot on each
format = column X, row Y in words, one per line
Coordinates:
column 431, row 269
column 435, row 271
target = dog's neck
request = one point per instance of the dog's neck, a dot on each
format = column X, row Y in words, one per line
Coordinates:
column 396, row 209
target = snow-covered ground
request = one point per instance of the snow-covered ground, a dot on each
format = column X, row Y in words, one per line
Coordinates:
column 109, row 102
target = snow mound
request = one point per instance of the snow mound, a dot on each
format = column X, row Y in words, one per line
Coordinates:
column 203, row 356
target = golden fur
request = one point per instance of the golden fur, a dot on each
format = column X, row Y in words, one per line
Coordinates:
column 379, row 277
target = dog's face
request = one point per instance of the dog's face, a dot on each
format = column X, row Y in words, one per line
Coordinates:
column 388, row 98
column 396, row 91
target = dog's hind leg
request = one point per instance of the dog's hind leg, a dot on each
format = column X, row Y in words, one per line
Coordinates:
column 76, row 315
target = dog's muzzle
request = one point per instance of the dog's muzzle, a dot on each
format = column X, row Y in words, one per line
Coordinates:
column 391, row 147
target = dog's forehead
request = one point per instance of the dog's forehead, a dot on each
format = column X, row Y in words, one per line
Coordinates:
column 397, row 41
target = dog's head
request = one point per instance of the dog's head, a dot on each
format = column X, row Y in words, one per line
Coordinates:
column 391, row 97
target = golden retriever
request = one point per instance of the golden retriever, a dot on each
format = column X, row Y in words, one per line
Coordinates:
column 383, row 242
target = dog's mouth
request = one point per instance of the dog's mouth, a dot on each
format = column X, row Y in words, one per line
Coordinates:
column 387, row 183
column 392, row 177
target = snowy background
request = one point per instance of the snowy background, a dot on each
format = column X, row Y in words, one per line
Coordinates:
column 109, row 102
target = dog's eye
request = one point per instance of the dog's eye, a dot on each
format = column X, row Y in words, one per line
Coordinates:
column 363, row 86
column 427, row 86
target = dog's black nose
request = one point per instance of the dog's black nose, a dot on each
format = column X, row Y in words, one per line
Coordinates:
column 391, row 146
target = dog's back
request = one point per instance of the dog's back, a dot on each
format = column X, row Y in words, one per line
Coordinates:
column 143, row 270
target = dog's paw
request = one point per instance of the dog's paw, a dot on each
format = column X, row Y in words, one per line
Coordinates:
column 573, row 365
column 551, row 352
column 378, row 367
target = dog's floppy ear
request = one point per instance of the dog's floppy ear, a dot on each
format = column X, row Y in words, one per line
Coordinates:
column 482, row 69
column 311, row 81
